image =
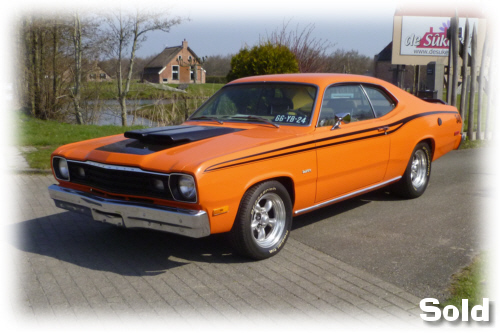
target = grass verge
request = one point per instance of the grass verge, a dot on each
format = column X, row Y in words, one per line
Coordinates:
column 44, row 136
column 467, row 144
column 138, row 90
column 469, row 283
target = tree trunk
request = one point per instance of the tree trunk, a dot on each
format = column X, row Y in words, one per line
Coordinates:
column 30, row 65
column 123, row 95
column 77, row 40
column 55, row 47
column 36, row 74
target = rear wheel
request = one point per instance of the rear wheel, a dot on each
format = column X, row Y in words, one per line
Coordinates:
column 263, row 222
column 417, row 173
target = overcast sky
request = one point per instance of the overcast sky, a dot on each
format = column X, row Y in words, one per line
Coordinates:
column 223, row 27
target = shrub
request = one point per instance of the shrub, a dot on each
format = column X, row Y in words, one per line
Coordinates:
column 263, row 59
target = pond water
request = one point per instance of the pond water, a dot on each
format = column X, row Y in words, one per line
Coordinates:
column 110, row 113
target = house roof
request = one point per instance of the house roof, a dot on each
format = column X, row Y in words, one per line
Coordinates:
column 165, row 57
column 385, row 54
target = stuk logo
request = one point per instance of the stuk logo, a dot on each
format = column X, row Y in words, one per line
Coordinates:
column 431, row 39
column 436, row 40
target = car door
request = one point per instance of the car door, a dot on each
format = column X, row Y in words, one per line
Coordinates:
column 354, row 155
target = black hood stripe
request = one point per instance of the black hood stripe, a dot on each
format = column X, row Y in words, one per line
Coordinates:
column 393, row 127
column 152, row 140
column 182, row 133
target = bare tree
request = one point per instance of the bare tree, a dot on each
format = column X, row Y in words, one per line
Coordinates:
column 77, row 41
column 127, row 30
column 309, row 51
column 218, row 65
column 54, row 56
column 342, row 61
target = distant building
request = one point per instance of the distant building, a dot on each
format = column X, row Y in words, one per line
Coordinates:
column 402, row 76
column 96, row 73
column 178, row 64
column 91, row 72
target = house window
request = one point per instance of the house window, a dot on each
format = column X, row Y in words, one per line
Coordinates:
column 175, row 72
column 93, row 76
column 190, row 58
column 165, row 80
column 179, row 57
column 102, row 76
column 192, row 73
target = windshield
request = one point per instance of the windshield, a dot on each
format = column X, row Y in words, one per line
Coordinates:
column 280, row 103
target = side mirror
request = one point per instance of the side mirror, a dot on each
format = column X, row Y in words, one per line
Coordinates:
column 341, row 118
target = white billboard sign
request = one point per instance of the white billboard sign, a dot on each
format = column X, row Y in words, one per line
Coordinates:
column 426, row 36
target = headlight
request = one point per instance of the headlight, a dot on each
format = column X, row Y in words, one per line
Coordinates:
column 187, row 187
column 183, row 187
column 61, row 168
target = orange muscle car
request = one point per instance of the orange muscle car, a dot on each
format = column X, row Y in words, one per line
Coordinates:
column 261, row 150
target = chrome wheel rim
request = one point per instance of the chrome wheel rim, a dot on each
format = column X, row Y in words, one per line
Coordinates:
column 268, row 220
column 419, row 169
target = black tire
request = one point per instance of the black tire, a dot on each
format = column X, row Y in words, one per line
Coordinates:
column 417, row 173
column 263, row 222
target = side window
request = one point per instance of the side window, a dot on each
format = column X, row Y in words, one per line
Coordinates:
column 382, row 104
column 175, row 72
column 344, row 99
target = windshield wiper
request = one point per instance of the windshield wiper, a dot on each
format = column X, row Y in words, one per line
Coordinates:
column 207, row 118
column 256, row 118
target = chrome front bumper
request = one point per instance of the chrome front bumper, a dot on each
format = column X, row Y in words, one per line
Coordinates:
column 191, row 223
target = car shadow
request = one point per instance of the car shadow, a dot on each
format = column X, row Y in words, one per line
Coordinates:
column 342, row 207
column 79, row 240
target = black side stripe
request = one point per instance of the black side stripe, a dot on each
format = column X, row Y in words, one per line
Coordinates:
column 401, row 122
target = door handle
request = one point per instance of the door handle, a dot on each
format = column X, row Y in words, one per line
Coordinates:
column 383, row 129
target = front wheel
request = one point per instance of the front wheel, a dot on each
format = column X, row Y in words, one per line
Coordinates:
column 417, row 173
column 263, row 222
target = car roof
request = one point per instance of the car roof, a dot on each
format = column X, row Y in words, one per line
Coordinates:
column 320, row 79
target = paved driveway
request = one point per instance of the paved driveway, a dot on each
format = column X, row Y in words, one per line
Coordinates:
column 368, row 260
column 415, row 244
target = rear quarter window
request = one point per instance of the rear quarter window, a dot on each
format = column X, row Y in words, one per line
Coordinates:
column 381, row 102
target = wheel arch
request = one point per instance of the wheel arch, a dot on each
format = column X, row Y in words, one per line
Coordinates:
column 285, row 180
column 431, row 143
column 289, row 185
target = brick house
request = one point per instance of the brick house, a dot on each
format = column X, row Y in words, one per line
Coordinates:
column 178, row 64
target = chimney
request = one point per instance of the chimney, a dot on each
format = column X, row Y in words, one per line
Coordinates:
column 184, row 44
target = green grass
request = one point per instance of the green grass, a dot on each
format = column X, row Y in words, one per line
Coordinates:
column 467, row 144
column 46, row 135
column 109, row 90
column 469, row 284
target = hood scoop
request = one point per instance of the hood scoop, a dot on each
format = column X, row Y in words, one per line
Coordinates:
column 178, row 134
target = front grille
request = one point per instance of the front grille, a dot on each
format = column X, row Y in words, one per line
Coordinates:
column 123, row 182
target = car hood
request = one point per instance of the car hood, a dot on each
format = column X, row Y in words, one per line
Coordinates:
column 184, row 148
